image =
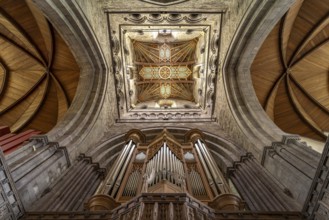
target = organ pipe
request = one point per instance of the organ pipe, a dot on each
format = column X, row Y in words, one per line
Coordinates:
column 118, row 165
column 209, row 177
column 159, row 164
column 214, row 169
column 123, row 169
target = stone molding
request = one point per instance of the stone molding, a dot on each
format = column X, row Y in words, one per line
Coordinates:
column 69, row 20
column 244, row 105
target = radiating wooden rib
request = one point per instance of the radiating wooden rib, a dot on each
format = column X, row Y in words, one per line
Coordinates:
column 35, row 86
column 151, row 91
column 308, row 95
column 147, row 52
column 316, row 30
column 34, row 107
column 183, row 50
column 286, row 27
column 44, row 28
column 314, row 49
column 63, row 101
column 270, row 100
column 8, row 40
column 319, row 116
column 300, row 110
column 10, row 25
column 180, row 92
column 3, row 78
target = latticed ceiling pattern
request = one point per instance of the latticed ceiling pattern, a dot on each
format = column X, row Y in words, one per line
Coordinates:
column 38, row 74
column 291, row 71
column 165, row 70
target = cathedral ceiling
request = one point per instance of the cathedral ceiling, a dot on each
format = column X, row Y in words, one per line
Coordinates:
column 164, row 70
column 291, row 71
column 165, row 63
column 38, row 74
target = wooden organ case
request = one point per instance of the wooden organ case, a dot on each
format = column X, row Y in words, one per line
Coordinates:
column 164, row 166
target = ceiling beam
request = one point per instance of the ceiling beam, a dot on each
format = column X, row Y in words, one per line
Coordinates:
column 301, row 111
column 315, row 31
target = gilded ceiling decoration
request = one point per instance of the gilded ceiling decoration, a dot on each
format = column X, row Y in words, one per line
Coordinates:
column 38, row 74
column 291, row 71
column 165, row 70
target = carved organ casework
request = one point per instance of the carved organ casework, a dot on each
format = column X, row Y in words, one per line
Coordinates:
column 164, row 165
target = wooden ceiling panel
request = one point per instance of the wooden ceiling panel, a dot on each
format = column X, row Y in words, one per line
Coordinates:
column 63, row 58
column 21, row 15
column 286, row 116
column 287, row 25
column 30, row 106
column 299, row 100
column 264, row 82
column 18, row 85
column 316, row 42
column 319, row 115
column 14, row 57
column 312, row 74
column 38, row 74
column 68, row 80
column 46, row 116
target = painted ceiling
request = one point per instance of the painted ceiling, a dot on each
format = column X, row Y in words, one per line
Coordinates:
column 164, row 64
column 165, row 70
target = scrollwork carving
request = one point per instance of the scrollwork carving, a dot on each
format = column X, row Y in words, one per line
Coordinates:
column 170, row 18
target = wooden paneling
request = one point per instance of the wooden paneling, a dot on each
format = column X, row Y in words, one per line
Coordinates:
column 295, row 92
column 38, row 73
column 265, row 82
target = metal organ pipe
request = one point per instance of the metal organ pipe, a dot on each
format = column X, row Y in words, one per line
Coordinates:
column 209, row 177
column 168, row 163
column 214, row 169
column 118, row 164
column 123, row 169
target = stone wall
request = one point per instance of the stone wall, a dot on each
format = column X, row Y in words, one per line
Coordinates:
column 238, row 110
column 94, row 13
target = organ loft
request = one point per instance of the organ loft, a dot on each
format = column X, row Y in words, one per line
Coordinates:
column 164, row 109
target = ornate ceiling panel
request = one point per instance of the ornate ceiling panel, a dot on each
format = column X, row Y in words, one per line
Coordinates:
column 38, row 74
column 164, row 70
column 291, row 71
column 192, row 56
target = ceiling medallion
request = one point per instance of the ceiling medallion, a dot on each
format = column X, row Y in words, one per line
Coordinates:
column 165, row 72
column 164, row 2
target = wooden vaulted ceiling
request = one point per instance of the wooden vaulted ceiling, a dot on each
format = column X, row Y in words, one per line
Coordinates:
column 290, row 73
column 38, row 73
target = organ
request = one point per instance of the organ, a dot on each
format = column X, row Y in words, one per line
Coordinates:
column 164, row 165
